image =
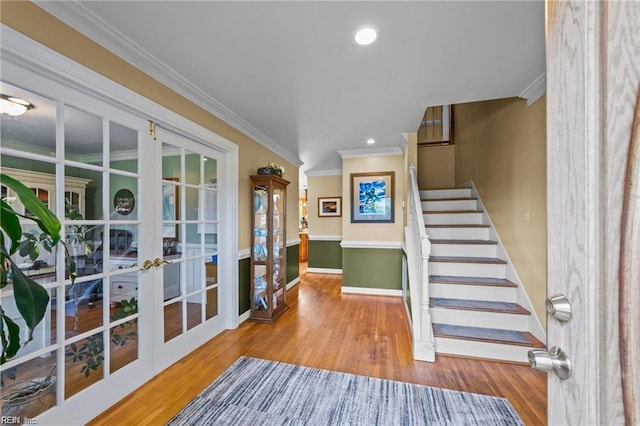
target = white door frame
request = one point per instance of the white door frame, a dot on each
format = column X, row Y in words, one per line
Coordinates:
column 593, row 51
column 24, row 58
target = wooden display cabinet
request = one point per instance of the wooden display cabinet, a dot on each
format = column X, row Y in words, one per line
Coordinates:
column 268, row 247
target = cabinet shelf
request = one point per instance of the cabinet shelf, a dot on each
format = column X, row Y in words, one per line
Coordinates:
column 268, row 248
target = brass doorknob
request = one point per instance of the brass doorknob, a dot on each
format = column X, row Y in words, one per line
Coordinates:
column 147, row 265
column 159, row 262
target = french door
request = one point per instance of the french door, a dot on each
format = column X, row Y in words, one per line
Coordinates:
column 188, row 181
column 146, row 218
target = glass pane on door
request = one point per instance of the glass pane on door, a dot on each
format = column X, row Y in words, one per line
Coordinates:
column 189, row 228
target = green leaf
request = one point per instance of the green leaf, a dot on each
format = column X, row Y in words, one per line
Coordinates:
column 45, row 219
column 10, row 224
column 31, row 298
column 11, row 346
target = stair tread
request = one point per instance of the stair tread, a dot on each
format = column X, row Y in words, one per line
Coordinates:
column 443, row 241
column 450, row 199
column 489, row 335
column 481, row 281
column 456, row 259
column 456, row 225
column 478, row 305
column 451, row 211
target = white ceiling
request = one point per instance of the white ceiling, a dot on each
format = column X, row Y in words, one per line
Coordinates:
column 289, row 74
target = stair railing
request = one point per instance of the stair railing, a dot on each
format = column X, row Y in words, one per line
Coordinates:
column 418, row 252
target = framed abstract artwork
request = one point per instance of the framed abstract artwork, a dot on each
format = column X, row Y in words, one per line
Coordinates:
column 372, row 197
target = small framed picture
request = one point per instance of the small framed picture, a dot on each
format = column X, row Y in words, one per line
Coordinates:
column 329, row 206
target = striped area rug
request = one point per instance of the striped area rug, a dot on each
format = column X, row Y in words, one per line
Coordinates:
column 260, row 392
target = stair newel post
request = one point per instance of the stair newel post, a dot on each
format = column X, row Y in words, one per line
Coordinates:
column 418, row 252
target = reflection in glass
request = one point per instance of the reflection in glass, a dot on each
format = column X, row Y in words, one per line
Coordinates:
column 45, row 331
column 194, row 276
column 83, row 194
column 122, row 242
column 170, row 162
column 194, row 311
column 212, row 303
column 82, row 308
column 19, row 133
column 38, row 373
column 172, row 321
column 192, row 168
column 84, row 364
column 192, row 200
column 171, row 277
column 193, row 235
column 123, row 295
column 210, row 171
column 123, row 145
column 82, row 136
column 124, row 198
column 124, row 344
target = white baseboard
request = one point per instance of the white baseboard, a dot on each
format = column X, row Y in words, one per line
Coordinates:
column 293, row 282
column 324, row 271
column 372, row 291
column 242, row 318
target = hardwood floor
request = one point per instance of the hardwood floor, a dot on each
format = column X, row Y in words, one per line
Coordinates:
column 366, row 335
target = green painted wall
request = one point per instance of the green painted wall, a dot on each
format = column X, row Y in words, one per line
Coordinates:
column 325, row 254
column 244, row 277
column 372, row 268
column 293, row 262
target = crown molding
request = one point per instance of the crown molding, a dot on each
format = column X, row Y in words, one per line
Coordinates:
column 329, row 172
column 371, row 152
column 86, row 22
column 535, row 90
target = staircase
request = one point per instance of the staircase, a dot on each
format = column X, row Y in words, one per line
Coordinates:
column 476, row 310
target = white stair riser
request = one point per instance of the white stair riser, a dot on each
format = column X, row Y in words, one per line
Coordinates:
column 482, row 350
column 445, row 193
column 483, row 319
column 481, row 233
column 452, row 218
column 473, row 292
column 451, row 269
column 449, row 205
column 464, row 250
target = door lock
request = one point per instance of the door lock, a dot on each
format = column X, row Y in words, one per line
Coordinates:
column 555, row 360
column 559, row 307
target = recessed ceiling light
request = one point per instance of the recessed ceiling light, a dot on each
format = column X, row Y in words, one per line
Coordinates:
column 371, row 141
column 366, row 35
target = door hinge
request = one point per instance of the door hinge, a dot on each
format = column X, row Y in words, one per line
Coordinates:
column 152, row 129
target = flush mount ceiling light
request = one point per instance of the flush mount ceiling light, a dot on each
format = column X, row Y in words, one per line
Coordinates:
column 10, row 105
column 371, row 141
column 366, row 35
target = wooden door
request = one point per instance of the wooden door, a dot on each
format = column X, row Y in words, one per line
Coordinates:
column 593, row 75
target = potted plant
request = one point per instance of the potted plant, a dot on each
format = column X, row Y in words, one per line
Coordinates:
column 271, row 169
column 25, row 398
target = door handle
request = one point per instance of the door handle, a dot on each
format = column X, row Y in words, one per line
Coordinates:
column 159, row 262
column 555, row 360
column 146, row 265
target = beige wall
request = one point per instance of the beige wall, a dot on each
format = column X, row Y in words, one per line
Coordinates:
column 323, row 186
column 392, row 232
column 32, row 21
column 436, row 167
column 501, row 147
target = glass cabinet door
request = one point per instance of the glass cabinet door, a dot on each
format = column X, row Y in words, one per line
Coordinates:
column 268, row 248
column 279, row 248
